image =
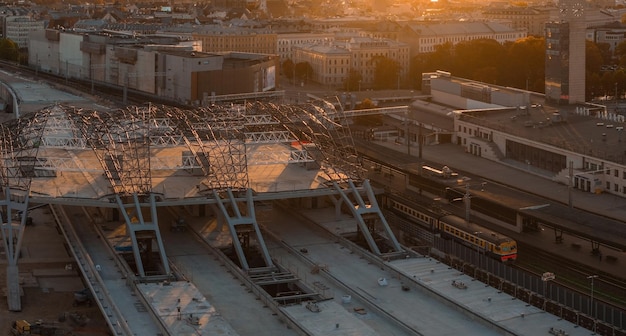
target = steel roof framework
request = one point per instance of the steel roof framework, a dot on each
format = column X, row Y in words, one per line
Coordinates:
column 219, row 138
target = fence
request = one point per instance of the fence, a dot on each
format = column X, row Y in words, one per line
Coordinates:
column 573, row 306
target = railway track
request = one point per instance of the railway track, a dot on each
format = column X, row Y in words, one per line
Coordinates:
column 608, row 288
column 574, row 273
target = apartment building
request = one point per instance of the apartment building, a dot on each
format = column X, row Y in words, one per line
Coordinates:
column 225, row 39
column 286, row 43
column 423, row 37
column 532, row 19
column 333, row 61
column 17, row 28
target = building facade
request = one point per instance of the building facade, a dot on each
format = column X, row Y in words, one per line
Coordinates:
column 424, row 37
column 532, row 19
column 17, row 28
column 286, row 43
column 235, row 39
column 565, row 55
column 332, row 62
column 168, row 67
column 490, row 122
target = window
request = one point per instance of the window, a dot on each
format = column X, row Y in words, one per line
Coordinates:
column 616, row 173
column 608, row 186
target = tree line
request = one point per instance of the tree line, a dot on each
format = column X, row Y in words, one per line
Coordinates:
column 519, row 64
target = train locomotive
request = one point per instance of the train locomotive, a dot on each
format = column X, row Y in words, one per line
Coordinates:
column 450, row 226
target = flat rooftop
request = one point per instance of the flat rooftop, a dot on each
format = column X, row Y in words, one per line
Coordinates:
column 81, row 176
column 68, row 153
column 588, row 130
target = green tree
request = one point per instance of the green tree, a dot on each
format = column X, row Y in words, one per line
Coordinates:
column 443, row 57
column 620, row 53
column 592, row 85
column 365, row 104
column 440, row 59
column 620, row 79
column 386, row 72
column 593, row 58
column 288, row 68
column 353, row 81
column 524, row 66
column 473, row 56
column 9, row 50
column 304, row 70
column 607, row 83
column 605, row 51
column 368, row 120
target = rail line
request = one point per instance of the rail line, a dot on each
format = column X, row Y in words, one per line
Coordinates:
column 371, row 303
column 573, row 275
column 114, row 318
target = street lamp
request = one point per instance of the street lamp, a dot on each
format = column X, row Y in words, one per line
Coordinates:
column 545, row 277
column 408, row 130
column 592, row 277
column 466, row 200
column 591, row 302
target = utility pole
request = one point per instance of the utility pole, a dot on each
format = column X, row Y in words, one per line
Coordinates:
column 592, row 277
column 466, row 200
column 570, row 180
column 407, row 136
column 419, row 139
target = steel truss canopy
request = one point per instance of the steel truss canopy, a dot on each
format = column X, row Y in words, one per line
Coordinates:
column 129, row 151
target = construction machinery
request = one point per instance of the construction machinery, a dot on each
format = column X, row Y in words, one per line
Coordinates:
column 39, row 328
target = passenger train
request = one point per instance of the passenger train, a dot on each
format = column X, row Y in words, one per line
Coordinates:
column 491, row 243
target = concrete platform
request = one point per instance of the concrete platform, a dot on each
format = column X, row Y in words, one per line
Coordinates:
column 184, row 310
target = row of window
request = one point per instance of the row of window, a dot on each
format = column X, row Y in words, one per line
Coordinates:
column 300, row 42
column 413, row 213
column 464, row 235
column 616, row 173
column 616, row 187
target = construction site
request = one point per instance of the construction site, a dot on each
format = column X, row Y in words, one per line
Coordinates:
column 127, row 165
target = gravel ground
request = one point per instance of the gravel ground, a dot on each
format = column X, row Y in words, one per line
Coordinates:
column 47, row 283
